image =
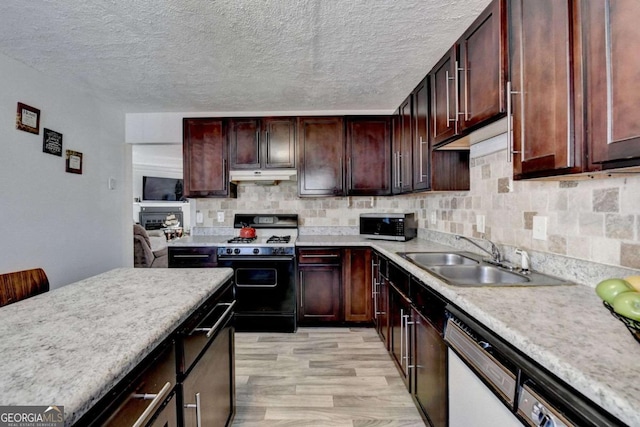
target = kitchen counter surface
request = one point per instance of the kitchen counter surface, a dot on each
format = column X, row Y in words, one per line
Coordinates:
column 566, row 329
column 70, row 346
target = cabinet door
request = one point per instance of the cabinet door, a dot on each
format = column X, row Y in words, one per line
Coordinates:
column 399, row 342
column 368, row 156
column 319, row 293
column 430, row 364
column 444, row 99
column 421, row 152
column 244, row 143
column 208, row 390
column 356, row 266
column 279, row 142
column 542, row 88
column 612, row 65
column 482, row 68
column 321, row 156
column 205, row 158
column 402, row 148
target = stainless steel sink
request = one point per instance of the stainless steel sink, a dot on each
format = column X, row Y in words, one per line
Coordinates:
column 429, row 259
column 477, row 275
column 469, row 269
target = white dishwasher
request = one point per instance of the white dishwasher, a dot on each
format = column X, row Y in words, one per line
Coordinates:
column 471, row 403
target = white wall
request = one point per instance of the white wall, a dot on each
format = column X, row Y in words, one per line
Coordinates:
column 71, row 225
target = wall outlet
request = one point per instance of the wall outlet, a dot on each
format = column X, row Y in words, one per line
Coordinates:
column 112, row 184
column 199, row 217
column 540, row 227
column 220, row 216
column 433, row 218
column 480, row 223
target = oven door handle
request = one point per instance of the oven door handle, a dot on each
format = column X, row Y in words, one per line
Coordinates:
column 254, row 258
column 257, row 286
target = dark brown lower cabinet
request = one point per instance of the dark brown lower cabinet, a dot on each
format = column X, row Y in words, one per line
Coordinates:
column 206, row 365
column 399, row 341
column 357, row 284
column 429, row 366
column 319, row 293
column 207, row 390
column 168, row 415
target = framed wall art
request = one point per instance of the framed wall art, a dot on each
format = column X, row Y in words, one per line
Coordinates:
column 74, row 162
column 28, row 118
column 51, row 142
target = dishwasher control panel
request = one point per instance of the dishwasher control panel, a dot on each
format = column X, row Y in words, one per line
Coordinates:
column 537, row 412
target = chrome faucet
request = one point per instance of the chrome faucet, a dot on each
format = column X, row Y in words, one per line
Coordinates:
column 495, row 252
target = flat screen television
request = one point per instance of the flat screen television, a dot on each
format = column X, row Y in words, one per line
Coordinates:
column 157, row 188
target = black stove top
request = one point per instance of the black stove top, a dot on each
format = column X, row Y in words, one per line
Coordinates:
column 279, row 239
column 242, row 240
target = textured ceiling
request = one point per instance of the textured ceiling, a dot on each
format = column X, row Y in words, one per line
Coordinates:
column 236, row 55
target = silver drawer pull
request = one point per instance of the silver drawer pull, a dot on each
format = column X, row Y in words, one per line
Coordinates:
column 191, row 256
column 156, row 400
column 212, row 329
column 320, row 256
column 196, row 406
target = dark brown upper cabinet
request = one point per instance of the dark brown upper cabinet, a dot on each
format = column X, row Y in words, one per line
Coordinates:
column 262, row 143
column 321, row 154
column 421, row 150
column 467, row 84
column 368, row 156
column 546, row 118
column 402, row 180
column 612, row 71
column 444, row 99
column 482, row 70
column 206, row 171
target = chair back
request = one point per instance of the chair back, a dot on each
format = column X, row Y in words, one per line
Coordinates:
column 22, row 284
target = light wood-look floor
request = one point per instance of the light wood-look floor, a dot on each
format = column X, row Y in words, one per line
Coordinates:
column 319, row 377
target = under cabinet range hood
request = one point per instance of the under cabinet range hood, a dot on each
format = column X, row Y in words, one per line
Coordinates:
column 263, row 176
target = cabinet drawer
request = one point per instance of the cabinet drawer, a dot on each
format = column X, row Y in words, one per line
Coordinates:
column 203, row 329
column 187, row 257
column 319, row 256
column 147, row 393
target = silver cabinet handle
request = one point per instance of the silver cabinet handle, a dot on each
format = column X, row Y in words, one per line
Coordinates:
column 191, row 256
column 349, row 173
column 224, row 173
column 156, row 400
column 510, row 130
column 198, row 409
column 466, row 92
column 401, row 337
column 422, row 175
column 215, row 327
column 258, row 143
column 320, row 256
column 407, row 357
column 399, row 169
column 301, row 289
column 447, row 78
column 266, row 142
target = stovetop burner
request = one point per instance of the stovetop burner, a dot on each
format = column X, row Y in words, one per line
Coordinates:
column 279, row 239
column 242, row 240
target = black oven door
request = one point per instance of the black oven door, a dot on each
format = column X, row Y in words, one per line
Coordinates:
column 265, row 293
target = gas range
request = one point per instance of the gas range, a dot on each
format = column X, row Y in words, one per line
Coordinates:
column 264, row 272
column 275, row 236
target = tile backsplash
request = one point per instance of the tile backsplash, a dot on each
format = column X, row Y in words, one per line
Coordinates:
column 595, row 220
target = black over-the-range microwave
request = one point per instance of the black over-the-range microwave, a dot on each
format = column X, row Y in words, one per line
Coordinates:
column 388, row 226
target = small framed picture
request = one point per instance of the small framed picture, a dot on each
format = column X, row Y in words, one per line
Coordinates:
column 28, row 118
column 52, row 142
column 74, row 162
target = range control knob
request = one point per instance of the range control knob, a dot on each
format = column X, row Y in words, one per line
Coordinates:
column 256, row 251
column 229, row 250
column 236, row 251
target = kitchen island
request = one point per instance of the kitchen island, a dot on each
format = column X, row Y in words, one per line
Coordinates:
column 72, row 345
column 565, row 329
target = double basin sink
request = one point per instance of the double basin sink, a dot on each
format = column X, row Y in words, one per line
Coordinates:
column 468, row 269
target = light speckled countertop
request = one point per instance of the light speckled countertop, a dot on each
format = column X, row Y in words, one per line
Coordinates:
column 70, row 346
column 564, row 328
